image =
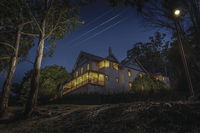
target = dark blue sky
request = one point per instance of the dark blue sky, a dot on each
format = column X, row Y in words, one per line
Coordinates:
column 104, row 26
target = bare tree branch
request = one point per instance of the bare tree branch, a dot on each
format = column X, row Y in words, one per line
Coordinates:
column 29, row 34
column 29, row 61
column 7, row 44
column 34, row 18
column 4, row 58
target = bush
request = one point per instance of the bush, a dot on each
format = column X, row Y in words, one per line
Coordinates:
column 147, row 83
column 51, row 77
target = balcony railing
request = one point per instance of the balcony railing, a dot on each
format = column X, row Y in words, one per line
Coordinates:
column 86, row 78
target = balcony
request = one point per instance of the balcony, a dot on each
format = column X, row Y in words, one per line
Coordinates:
column 86, row 78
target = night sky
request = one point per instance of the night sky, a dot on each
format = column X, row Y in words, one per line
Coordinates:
column 104, row 26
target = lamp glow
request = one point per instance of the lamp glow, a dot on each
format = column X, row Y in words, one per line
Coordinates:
column 177, row 12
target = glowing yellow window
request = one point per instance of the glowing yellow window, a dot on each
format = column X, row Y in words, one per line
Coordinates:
column 129, row 73
column 104, row 64
column 79, row 80
column 130, row 85
column 85, row 78
column 88, row 67
column 101, row 79
column 101, row 64
column 81, row 70
column 107, row 64
column 76, row 73
column 140, row 75
column 115, row 66
column 93, row 77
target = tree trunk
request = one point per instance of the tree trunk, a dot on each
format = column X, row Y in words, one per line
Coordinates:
column 32, row 99
column 11, row 71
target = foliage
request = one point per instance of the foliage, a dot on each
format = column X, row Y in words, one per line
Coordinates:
column 147, row 83
column 12, row 14
column 151, row 54
column 51, row 77
column 54, row 19
column 160, row 14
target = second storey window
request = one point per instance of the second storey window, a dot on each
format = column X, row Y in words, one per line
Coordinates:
column 88, row 67
column 129, row 73
column 106, row 77
column 104, row 64
column 81, row 70
column 76, row 73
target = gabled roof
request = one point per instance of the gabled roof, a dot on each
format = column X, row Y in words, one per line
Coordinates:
column 91, row 56
column 132, row 63
column 87, row 57
column 112, row 58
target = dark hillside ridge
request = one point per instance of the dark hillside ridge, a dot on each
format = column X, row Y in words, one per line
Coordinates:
column 137, row 117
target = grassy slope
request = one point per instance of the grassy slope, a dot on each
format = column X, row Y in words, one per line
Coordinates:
column 138, row 117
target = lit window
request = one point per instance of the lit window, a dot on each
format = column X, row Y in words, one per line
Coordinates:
column 129, row 73
column 140, row 75
column 117, row 80
column 104, row 64
column 76, row 73
column 81, row 70
column 130, row 85
column 93, row 77
column 115, row 66
column 79, row 81
column 106, row 77
column 88, row 67
column 101, row 79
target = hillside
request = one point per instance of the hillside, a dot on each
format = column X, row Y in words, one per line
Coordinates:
column 138, row 117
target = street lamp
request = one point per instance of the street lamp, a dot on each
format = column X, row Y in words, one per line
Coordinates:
column 177, row 14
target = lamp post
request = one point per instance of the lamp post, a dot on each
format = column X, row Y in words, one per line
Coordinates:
column 177, row 14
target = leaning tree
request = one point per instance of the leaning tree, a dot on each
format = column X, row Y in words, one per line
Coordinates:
column 14, row 20
column 53, row 19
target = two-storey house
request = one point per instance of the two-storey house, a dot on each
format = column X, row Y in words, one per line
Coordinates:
column 94, row 74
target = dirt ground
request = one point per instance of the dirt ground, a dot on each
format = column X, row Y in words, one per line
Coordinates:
column 137, row 117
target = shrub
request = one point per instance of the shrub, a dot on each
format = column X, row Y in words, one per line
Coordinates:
column 147, row 83
column 51, row 77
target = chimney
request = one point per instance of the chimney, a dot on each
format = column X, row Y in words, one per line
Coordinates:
column 110, row 51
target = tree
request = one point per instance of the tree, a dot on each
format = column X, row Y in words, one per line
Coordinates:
column 160, row 14
column 53, row 18
column 147, row 83
column 152, row 54
column 13, row 19
column 51, row 77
